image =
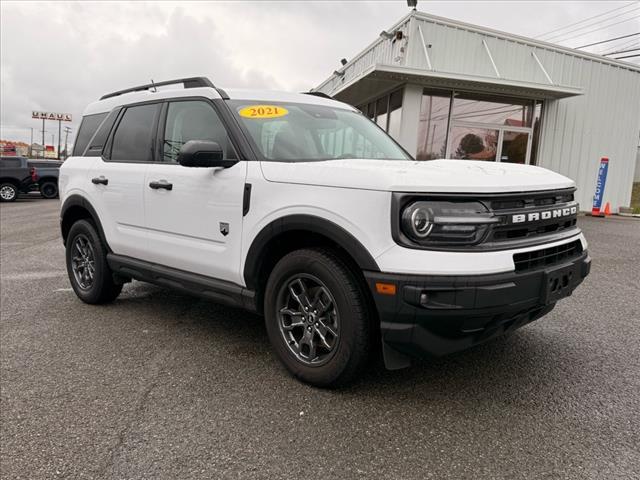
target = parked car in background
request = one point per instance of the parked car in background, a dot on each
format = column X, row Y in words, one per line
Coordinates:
column 48, row 171
column 16, row 175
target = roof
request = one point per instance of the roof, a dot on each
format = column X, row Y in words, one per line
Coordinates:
column 440, row 52
column 524, row 40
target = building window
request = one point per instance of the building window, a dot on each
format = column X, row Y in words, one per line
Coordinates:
column 386, row 111
column 477, row 127
column 493, row 110
column 395, row 113
column 433, row 125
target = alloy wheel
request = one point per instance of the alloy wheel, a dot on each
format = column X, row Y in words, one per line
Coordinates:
column 83, row 262
column 7, row 192
column 308, row 319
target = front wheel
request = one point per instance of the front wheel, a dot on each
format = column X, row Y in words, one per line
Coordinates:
column 90, row 275
column 8, row 192
column 317, row 317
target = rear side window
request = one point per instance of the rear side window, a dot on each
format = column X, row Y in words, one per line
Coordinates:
column 97, row 142
column 133, row 138
column 88, row 127
column 11, row 162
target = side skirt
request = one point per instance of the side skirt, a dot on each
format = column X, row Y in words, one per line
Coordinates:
column 219, row 291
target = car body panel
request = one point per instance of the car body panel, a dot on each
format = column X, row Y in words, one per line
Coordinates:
column 433, row 176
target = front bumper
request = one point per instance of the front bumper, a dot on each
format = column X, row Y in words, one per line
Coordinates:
column 437, row 315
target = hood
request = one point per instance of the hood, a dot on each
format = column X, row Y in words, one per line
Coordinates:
column 451, row 176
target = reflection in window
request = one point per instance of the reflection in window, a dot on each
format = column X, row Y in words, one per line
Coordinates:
column 512, row 112
column 514, row 147
column 192, row 120
column 432, row 126
column 474, row 143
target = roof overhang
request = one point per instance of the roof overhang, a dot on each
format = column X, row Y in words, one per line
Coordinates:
column 379, row 78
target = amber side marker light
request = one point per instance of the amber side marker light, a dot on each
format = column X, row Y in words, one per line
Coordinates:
column 385, row 288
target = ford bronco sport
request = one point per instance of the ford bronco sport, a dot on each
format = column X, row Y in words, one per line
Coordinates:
column 298, row 207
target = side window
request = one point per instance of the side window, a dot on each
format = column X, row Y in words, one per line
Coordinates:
column 192, row 120
column 11, row 162
column 98, row 140
column 88, row 127
column 133, row 138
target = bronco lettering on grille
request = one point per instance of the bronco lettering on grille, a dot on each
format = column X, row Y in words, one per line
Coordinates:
column 544, row 215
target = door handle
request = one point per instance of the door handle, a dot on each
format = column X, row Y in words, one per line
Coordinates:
column 161, row 184
column 100, row 180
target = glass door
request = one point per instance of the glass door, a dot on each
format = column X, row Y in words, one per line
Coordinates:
column 515, row 146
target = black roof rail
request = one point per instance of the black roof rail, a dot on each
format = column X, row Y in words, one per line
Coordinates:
column 191, row 82
column 319, row 94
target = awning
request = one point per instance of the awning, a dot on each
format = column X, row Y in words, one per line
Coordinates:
column 379, row 78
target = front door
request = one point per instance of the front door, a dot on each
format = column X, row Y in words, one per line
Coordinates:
column 194, row 215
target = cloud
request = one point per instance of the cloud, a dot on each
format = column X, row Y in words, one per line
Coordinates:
column 61, row 56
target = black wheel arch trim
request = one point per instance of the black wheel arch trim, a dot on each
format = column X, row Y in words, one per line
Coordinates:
column 308, row 223
column 79, row 201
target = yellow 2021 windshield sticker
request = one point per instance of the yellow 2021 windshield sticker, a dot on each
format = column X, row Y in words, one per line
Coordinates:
column 263, row 111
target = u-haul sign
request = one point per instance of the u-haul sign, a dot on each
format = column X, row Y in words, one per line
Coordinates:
column 64, row 117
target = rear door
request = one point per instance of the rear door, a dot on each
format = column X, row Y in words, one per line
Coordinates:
column 117, row 179
column 194, row 222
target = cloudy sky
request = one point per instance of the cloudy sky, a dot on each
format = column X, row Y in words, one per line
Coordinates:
column 60, row 56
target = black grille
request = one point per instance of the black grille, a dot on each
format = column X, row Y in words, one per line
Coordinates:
column 513, row 232
column 546, row 256
column 531, row 202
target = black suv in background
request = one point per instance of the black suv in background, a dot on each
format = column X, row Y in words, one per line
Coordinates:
column 48, row 172
column 20, row 174
column 16, row 175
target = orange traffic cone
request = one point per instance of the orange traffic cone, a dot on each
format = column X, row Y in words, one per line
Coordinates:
column 607, row 209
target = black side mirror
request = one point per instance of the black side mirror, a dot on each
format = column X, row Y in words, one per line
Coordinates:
column 204, row 154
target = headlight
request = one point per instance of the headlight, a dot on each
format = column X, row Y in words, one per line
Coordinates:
column 441, row 223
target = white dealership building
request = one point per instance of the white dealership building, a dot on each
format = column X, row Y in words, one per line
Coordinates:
column 447, row 89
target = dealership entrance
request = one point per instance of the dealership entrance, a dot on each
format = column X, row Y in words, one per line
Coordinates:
column 466, row 125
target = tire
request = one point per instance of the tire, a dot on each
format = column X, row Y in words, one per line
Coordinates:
column 85, row 247
column 345, row 326
column 8, row 192
column 49, row 190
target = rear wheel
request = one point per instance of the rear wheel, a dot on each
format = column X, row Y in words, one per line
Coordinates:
column 8, row 192
column 89, row 273
column 316, row 318
column 49, row 190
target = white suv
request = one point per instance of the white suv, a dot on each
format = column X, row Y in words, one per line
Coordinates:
column 300, row 208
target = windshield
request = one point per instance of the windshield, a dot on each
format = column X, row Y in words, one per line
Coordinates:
column 303, row 132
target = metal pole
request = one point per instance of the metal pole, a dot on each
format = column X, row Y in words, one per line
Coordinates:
column 66, row 144
column 59, row 128
column 31, row 144
column 43, row 138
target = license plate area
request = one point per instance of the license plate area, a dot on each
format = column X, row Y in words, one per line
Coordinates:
column 558, row 283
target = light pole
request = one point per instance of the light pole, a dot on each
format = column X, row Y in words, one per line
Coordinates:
column 59, row 137
column 67, row 130
column 43, row 142
column 31, row 144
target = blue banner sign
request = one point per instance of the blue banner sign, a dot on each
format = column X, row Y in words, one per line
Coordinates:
column 602, row 179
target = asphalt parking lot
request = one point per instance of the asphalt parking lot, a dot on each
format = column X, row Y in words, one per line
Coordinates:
column 162, row 385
